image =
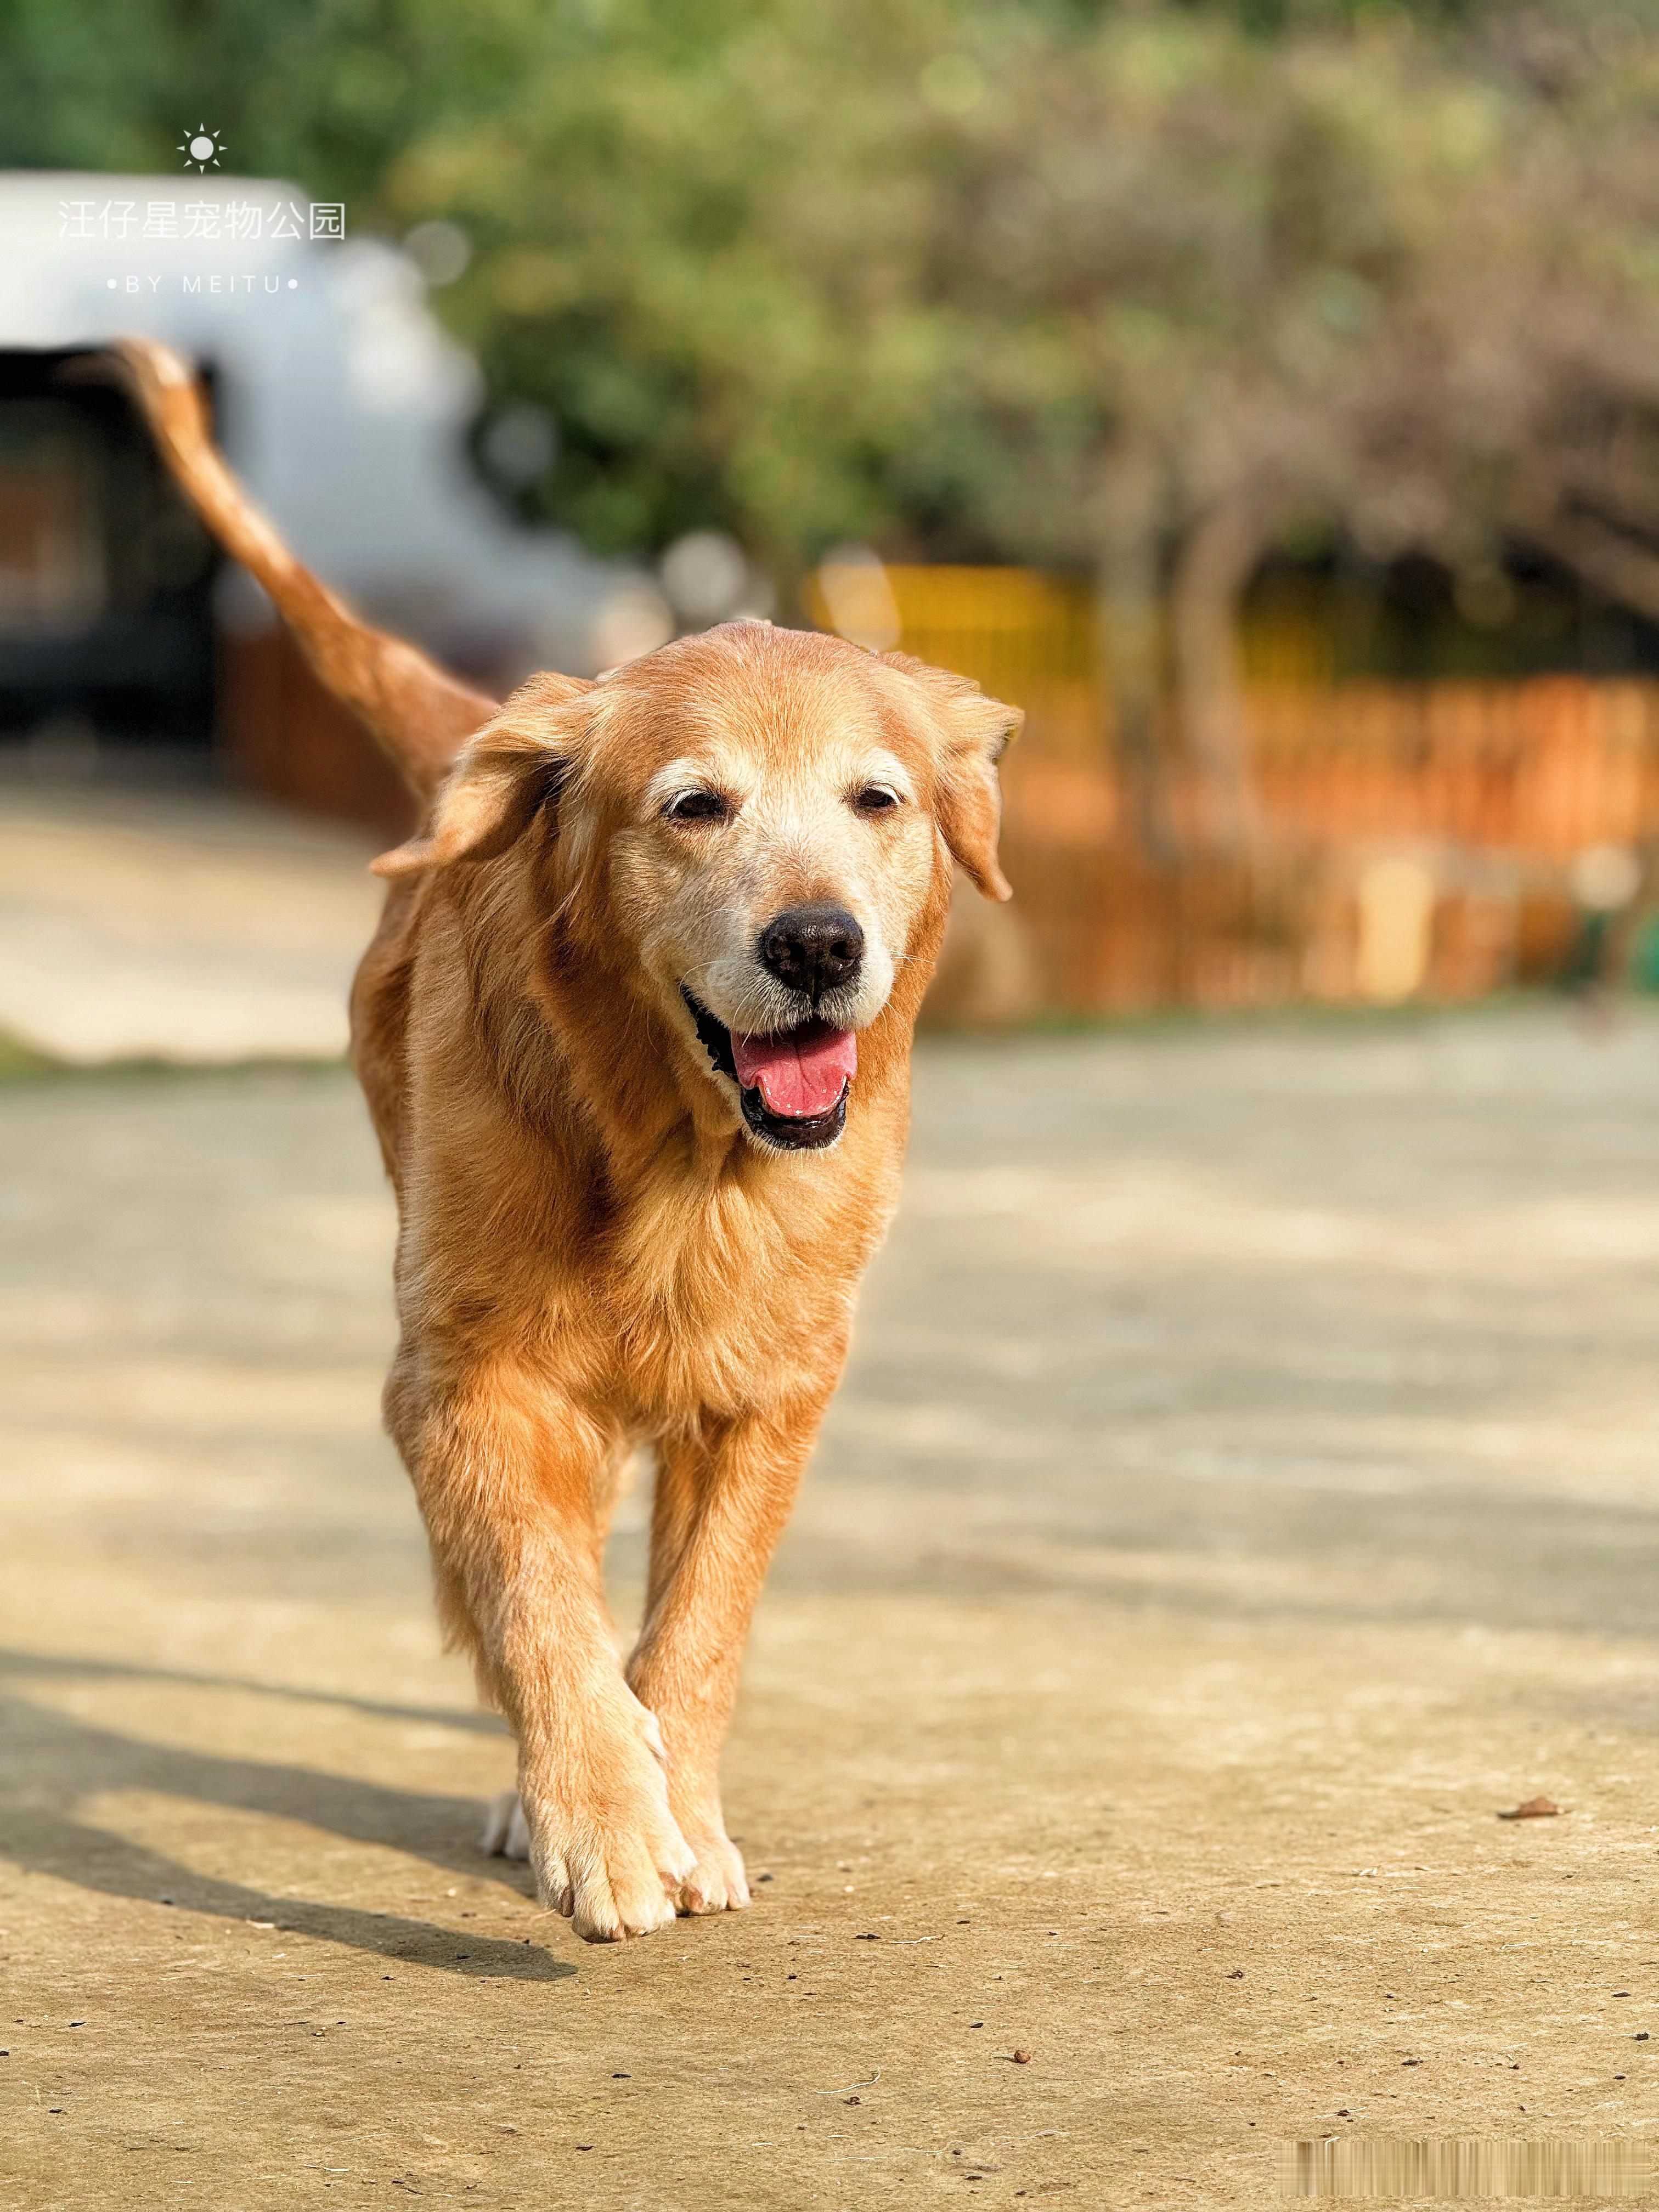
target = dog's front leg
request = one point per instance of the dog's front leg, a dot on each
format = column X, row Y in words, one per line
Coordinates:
column 509, row 1479
column 722, row 1499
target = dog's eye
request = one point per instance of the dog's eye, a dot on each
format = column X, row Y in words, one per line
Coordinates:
column 875, row 799
column 697, row 807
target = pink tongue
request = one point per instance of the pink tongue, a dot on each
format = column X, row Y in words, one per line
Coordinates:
column 800, row 1074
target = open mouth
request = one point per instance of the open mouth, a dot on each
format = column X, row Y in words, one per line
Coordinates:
column 793, row 1084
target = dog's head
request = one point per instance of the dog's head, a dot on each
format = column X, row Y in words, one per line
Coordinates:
column 757, row 821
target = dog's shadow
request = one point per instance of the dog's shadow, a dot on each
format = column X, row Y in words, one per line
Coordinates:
column 74, row 1759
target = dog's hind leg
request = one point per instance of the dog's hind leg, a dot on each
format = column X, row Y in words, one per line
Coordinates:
column 722, row 1499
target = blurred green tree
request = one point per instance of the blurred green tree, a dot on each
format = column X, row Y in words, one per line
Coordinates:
column 1143, row 286
column 1371, row 277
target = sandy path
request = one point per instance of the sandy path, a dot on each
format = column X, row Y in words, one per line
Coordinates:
column 1246, row 1487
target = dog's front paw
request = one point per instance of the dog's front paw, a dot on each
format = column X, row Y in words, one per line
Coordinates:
column 717, row 1882
column 613, row 1870
column 595, row 1826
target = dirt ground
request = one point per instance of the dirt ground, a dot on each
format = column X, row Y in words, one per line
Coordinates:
column 1244, row 1490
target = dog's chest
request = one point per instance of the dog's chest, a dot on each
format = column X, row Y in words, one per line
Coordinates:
column 728, row 1306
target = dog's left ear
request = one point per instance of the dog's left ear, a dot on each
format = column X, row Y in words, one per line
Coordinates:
column 975, row 732
column 512, row 767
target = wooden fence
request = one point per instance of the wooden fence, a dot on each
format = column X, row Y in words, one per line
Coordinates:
column 1414, row 840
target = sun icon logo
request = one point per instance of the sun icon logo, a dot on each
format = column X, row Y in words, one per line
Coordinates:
column 202, row 148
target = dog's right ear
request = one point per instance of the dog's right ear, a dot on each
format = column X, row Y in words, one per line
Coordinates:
column 503, row 776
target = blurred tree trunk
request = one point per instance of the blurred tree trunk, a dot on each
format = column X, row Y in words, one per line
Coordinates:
column 1216, row 561
column 1127, row 590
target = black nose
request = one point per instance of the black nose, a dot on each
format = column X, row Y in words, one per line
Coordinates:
column 813, row 949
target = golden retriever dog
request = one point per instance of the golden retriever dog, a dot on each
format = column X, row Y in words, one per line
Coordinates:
column 634, row 1031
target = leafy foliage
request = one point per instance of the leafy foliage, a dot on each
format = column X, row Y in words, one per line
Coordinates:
column 1138, row 283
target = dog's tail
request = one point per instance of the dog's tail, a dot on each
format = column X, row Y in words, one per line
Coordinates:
column 419, row 714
